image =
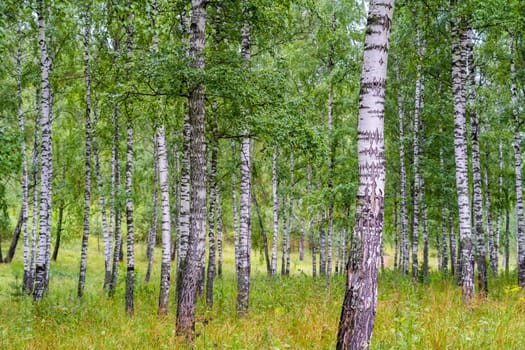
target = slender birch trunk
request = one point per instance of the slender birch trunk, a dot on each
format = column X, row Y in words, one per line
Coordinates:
column 152, row 233
column 219, row 233
column 264, row 237
column 418, row 191
column 275, row 213
column 507, row 240
column 396, row 232
column 234, row 207
column 359, row 305
column 44, row 238
column 500, row 197
column 493, row 254
column 165, row 270
column 175, row 230
column 194, row 258
column 312, row 225
column 290, row 215
column 211, row 214
column 461, row 156
column 476, row 170
column 35, row 164
column 284, row 245
column 404, row 255
column 322, row 245
column 25, row 177
column 519, row 187
column 116, row 193
column 61, row 207
column 87, row 189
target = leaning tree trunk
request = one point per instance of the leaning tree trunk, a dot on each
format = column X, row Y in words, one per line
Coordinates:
column 275, row 213
column 165, row 222
column 194, row 259
column 476, row 172
column 461, row 157
column 152, row 234
column 359, row 305
column 519, row 187
column 44, row 238
column 87, row 188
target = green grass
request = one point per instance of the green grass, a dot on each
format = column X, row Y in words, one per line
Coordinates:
column 285, row 313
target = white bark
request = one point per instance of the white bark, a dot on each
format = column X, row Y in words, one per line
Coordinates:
column 275, row 213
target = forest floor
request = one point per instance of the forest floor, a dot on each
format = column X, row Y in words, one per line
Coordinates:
column 296, row 312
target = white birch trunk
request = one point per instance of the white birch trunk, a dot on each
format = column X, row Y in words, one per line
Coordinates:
column 44, row 238
column 461, row 157
column 87, row 189
column 359, row 305
column 234, row 207
column 519, row 187
column 312, row 225
column 152, row 234
column 195, row 255
column 275, row 213
column 165, row 269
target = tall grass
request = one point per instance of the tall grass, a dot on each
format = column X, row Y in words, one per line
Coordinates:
column 297, row 312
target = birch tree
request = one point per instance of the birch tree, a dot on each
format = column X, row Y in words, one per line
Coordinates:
column 359, row 305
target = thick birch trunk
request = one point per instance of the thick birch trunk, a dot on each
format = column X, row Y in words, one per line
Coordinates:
column 194, row 259
column 165, row 270
column 44, row 238
column 461, row 157
column 87, row 189
column 183, row 226
column 275, row 213
column 519, row 187
column 152, row 233
column 359, row 305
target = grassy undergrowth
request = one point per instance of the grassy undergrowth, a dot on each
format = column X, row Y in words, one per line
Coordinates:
column 285, row 313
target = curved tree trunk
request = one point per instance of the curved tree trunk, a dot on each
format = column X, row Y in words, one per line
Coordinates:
column 359, row 305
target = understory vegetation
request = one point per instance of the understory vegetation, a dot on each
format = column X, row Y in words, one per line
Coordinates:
column 295, row 312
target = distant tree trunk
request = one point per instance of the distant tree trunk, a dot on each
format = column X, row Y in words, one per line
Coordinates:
column 290, row 215
column 87, row 188
column 263, row 233
column 165, row 270
column 507, row 240
column 461, row 156
column 108, row 239
column 477, row 202
column 152, row 234
column 312, row 225
column 194, row 258
column 519, row 190
column 59, row 230
column 359, row 305
column 500, row 198
column 44, row 238
column 211, row 213
column 275, row 213
column 404, row 255
column 219, row 233
column 488, row 215
column 284, row 245
column 453, row 248
column 425, row 232
column 322, row 245
column 396, row 233
column 116, row 193
column 234, row 205
column 444, row 248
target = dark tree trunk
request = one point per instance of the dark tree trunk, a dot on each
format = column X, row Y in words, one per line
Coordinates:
column 59, row 230
column 16, row 237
